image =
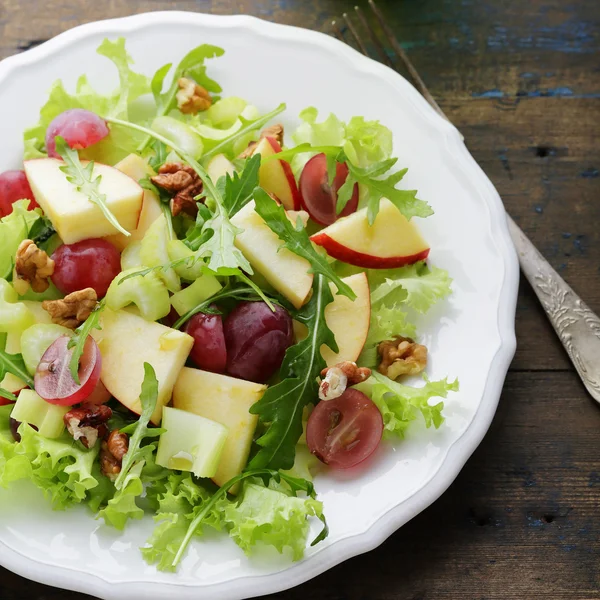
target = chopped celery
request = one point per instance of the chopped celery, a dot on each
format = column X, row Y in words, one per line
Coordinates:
column 225, row 112
column 180, row 134
column 48, row 418
column 147, row 292
column 203, row 288
column 190, row 443
column 131, row 256
column 154, row 253
column 14, row 315
column 178, row 250
column 35, row 340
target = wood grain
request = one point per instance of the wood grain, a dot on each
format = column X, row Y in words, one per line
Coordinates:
column 521, row 80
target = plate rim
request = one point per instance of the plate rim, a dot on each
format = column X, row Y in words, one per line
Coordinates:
column 459, row 451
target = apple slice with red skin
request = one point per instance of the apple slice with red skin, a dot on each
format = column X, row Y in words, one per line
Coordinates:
column 392, row 241
column 275, row 176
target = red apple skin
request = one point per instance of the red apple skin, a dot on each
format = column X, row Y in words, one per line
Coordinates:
column 287, row 171
column 359, row 259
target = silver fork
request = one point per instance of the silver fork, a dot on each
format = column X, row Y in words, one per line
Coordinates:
column 576, row 325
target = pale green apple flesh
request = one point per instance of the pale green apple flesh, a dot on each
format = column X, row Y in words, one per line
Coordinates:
column 126, row 342
column 218, row 167
column 227, row 401
column 287, row 272
column 71, row 212
column 190, row 443
column 48, row 418
column 138, row 168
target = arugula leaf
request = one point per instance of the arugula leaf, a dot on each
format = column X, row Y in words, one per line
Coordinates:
column 191, row 65
column 159, row 156
column 135, row 453
column 219, row 247
column 386, row 323
column 400, row 404
column 80, row 336
column 281, row 406
column 14, row 364
column 41, row 231
column 83, row 180
column 239, row 188
column 7, row 395
column 248, row 127
column 419, row 286
column 237, row 514
column 296, row 239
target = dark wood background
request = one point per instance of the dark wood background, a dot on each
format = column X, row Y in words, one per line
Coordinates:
column 521, row 79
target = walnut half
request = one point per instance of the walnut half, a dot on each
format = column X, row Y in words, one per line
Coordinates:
column 191, row 97
column 73, row 309
column 112, row 452
column 88, row 423
column 184, row 182
column 337, row 378
column 33, row 266
column 401, row 356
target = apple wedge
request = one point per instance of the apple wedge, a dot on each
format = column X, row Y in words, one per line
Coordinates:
column 71, row 212
column 275, row 176
column 126, row 342
column 218, row 167
column 137, row 168
column 392, row 241
column 287, row 272
column 225, row 400
column 348, row 320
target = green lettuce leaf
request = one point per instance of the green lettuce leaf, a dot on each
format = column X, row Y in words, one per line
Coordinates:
column 123, row 506
column 401, row 404
column 14, row 228
column 364, row 142
column 386, row 323
column 176, row 500
column 131, row 86
column 270, row 516
column 62, row 468
column 419, row 286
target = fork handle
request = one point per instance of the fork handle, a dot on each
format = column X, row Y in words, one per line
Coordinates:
column 576, row 325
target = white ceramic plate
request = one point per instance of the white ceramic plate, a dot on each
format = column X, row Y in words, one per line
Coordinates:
column 267, row 64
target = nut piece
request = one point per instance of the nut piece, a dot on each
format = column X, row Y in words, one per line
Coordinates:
column 73, row 309
column 275, row 131
column 401, row 356
column 33, row 265
column 112, row 452
column 88, row 423
column 184, row 181
column 191, row 97
column 339, row 377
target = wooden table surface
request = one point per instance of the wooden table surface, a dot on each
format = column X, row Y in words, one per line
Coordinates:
column 521, row 80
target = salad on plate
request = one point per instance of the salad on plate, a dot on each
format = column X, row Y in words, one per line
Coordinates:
column 198, row 314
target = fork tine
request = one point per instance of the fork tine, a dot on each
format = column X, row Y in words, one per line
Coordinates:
column 405, row 60
column 337, row 31
column 382, row 53
column 354, row 33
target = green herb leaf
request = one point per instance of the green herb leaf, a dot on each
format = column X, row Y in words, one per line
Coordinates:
column 296, row 239
column 280, row 408
column 249, row 126
column 239, row 188
column 400, row 404
column 83, row 180
column 295, row 485
column 41, row 231
column 135, row 453
column 218, row 248
column 159, row 156
column 80, row 336
column 14, row 364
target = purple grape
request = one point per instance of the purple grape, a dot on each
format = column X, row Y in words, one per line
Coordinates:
column 209, row 351
column 256, row 339
column 80, row 128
